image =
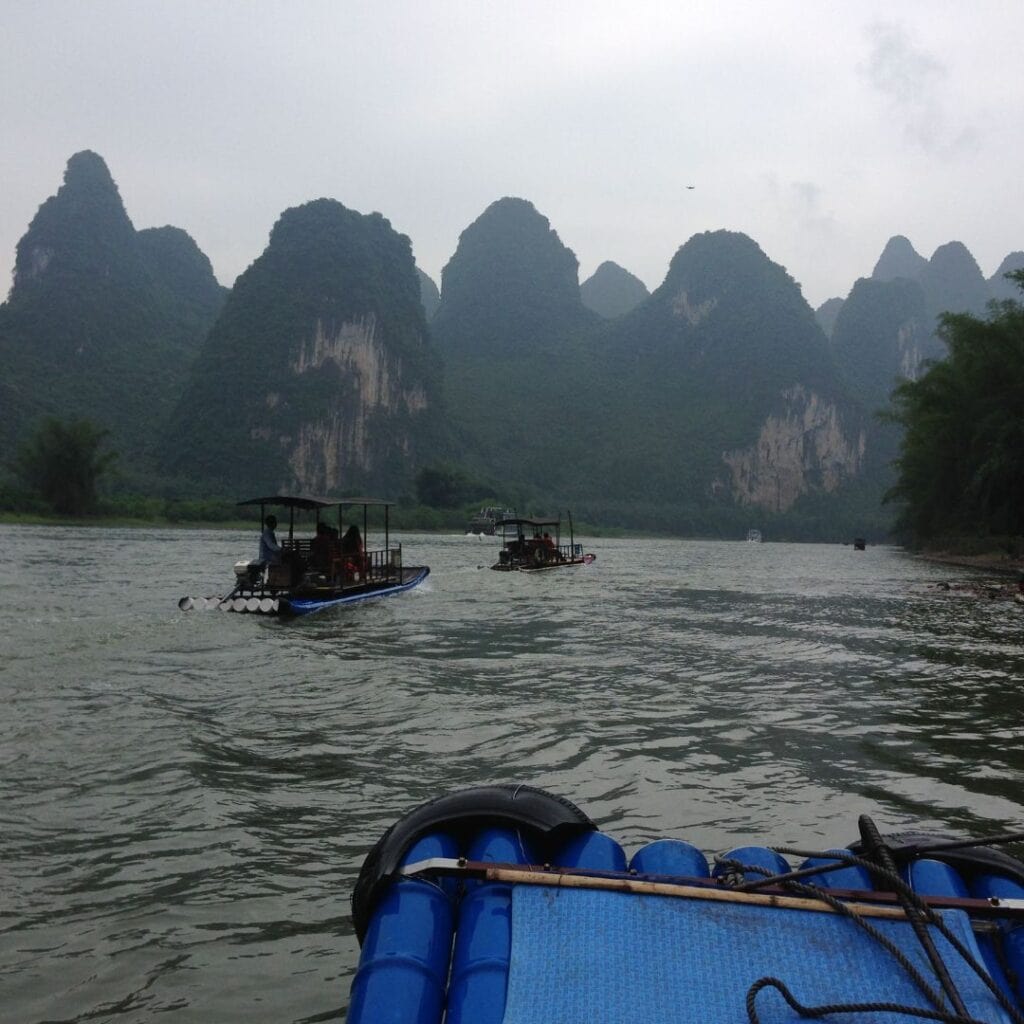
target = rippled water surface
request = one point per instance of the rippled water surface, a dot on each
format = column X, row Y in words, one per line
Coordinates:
column 186, row 798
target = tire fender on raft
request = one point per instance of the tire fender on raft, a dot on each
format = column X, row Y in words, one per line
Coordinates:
column 550, row 819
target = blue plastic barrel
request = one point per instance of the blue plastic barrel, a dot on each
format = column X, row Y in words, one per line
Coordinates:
column 771, row 862
column 483, row 942
column 848, row 877
column 933, row 878
column 403, row 966
column 594, row 851
column 670, row 857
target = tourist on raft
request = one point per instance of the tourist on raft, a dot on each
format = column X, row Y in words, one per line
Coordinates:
column 270, row 550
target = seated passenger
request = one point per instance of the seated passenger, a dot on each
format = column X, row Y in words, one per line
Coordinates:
column 320, row 548
column 352, row 551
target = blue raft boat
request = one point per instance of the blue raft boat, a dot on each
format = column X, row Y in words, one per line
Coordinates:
column 535, row 545
column 506, row 905
column 330, row 567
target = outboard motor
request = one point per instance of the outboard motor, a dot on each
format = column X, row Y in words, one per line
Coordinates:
column 248, row 574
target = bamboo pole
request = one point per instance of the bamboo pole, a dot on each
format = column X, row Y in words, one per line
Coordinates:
column 638, row 886
column 860, row 900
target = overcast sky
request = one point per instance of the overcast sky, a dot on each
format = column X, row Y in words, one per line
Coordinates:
column 818, row 128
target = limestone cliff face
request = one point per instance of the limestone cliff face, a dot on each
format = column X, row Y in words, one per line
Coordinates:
column 911, row 349
column 377, row 386
column 694, row 313
column 801, row 447
column 323, row 358
column 728, row 379
column 357, row 350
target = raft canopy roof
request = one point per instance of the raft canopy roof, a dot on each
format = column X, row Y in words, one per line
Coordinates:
column 308, row 501
column 530, row 522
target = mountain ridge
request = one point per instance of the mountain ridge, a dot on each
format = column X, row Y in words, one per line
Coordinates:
column 719, row 394
column 101, row 320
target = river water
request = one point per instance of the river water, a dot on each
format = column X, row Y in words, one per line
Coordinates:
column 186, row 798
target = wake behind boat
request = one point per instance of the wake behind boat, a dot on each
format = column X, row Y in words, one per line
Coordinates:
column 535, row 545
column 330, row 567
column 506, row 905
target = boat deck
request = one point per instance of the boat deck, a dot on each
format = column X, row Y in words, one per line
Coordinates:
column 492, row 906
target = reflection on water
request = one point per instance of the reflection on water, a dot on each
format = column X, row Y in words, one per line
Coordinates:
column 185, row 799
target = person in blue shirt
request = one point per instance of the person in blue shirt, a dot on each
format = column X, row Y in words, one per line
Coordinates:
column 270, row 550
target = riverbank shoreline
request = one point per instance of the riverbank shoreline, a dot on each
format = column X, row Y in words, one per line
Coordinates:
column 992, row 561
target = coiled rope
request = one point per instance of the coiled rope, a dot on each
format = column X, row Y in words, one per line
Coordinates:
column 918, row 913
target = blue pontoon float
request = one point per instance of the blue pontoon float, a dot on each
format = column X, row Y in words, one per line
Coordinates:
column 330, row 567
column 506, row 905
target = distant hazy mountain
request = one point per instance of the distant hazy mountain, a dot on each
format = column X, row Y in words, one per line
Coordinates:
column 611, row 291
column 882, row 334
column 429, row 295
column 713, row 404
column 954, row 282
column 102, row 321
column 318, row 375
column 826, row 315
column 900, row 259
column 951, row 279
column 184, row 275
column 510, row 286
column 512, row 331
column 999, row 287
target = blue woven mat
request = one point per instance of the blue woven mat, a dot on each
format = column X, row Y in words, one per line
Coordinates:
column 588, row 957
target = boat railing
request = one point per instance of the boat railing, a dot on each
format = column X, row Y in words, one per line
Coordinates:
column 383, row 563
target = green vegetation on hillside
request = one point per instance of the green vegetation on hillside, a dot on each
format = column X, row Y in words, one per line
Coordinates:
column 102, row 321
column 696, row 370
column 961, row 462
column 713, row 405
column 612, row 291
column 63, row 463
column 319, row 373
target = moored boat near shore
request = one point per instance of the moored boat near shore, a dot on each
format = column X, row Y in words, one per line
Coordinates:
column 305, row 574
column 506, row 905
column 489, row 519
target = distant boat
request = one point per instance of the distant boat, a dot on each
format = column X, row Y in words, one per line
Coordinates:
column 330, row 568
column 489, row 518
column 754, row 536
column 530, row 547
